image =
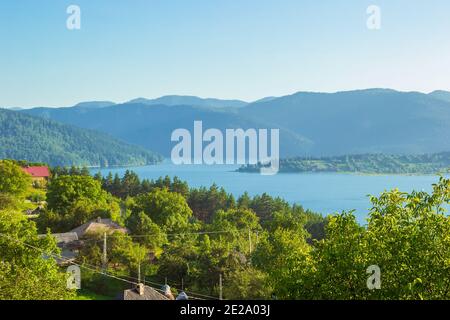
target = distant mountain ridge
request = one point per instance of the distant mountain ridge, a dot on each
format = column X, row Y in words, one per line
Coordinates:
column 310, row 123
column 361, row 121
column 175, row 100
column 440, row 94
column 95, row 104
column 24, row 137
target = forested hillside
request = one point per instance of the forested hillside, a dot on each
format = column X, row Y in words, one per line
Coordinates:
column 365, row 163
column 23, row 137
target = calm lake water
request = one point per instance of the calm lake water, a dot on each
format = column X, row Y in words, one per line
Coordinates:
column 321, row 192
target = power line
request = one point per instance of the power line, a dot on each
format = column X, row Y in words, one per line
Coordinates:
column 92, row 268
column 175, row 234
column 85, row 266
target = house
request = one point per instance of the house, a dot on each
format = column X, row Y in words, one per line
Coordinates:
column 39, row 174
column 142, row 292
column 98, row 226
column 69, row 245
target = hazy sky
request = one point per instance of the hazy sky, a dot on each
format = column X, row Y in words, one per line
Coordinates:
column 244, row 49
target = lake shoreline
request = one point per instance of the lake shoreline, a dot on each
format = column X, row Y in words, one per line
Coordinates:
column 324, row 193
column 351, row 173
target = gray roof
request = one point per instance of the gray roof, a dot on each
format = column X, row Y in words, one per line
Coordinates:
column 65, row 237
column 98, row 225
column 62, row 238
column 149, row 294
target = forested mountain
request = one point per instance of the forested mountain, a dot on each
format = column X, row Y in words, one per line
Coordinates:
column 364, row 121
column 365, row 163
column 39, row 140
column 152, row 126
column 311, row 124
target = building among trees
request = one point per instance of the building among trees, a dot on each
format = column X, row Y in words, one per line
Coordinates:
column 39, row 174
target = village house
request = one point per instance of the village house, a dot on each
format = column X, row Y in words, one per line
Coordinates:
column 39, row 174
column 97, row 226
column 69, row 244
column 142, row 292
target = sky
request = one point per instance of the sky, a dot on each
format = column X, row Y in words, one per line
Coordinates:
column 230, row 49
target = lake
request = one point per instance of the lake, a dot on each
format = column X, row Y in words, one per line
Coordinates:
column 321, row 192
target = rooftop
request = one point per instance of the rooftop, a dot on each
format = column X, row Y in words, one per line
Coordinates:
column 98, row 225
column 148, row 294
column 37, row 172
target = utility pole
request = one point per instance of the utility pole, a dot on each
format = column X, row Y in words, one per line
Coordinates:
column 139, row 272
column 105, row 258
column 220, row 287
column 250, row 240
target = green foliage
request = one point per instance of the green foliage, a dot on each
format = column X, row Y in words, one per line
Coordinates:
column 151, row 234
column 265, row 206
column 263, row 247
column 285, row 256
column 25, row 272
column 128, row 253
column 247, row 284
column 130, row 185
column 205, row 202
column 74, row 200
column 241, row 225
column 65, row 191
column 40, row 140
column 407, row 236
column 167, row 209
column 340, row 263
column 13, row 180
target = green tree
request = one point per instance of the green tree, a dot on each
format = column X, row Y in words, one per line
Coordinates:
column 340, row 261
column 238, row 227
column 205, row 202
column 13, row 180
column 132, row 255
column 167, row 209
column 131, row 184
column 64, row 191
column 151, row 234
column 408, row 237
column 74, row 200
column 246, row 284
column 285, row 256
column 25, row 272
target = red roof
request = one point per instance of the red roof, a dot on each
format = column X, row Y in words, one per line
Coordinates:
column 37, row 172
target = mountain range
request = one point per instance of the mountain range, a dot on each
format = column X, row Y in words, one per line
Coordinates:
column 311, row 124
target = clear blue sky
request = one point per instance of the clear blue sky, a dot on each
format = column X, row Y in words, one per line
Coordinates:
column 244, row 49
